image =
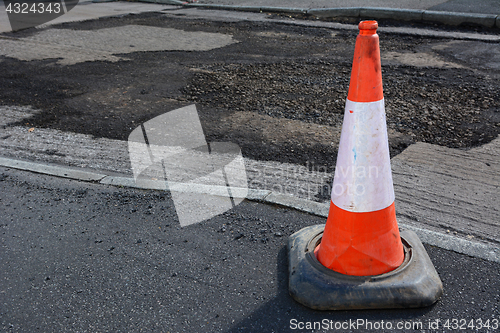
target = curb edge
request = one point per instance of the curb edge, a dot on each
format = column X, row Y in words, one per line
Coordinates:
column 444, row 17
column 447, row 242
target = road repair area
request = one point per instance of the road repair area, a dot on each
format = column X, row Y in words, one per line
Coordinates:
column 93, row 254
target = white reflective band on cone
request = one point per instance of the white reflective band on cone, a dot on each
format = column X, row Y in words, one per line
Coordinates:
column 363, row 180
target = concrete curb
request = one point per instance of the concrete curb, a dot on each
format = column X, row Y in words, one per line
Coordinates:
column 452, row 243
column 334, row 12
column 52, row 170
column 392, row 13
column 165, row 2
column 286, row 10
column 254, row 9
column 448, row 242
column 448, row 18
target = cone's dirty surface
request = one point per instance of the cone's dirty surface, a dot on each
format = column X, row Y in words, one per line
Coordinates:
column 415, row 283
column 361, row 260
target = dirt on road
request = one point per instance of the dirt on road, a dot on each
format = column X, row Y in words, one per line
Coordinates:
column 278, row 91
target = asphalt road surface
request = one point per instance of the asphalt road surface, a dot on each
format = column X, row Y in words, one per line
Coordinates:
column 85, row 257
column 80, row 257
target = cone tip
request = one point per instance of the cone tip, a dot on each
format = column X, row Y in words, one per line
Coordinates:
column 368, row 27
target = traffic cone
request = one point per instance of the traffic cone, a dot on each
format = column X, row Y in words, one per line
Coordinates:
column 359, row 259
column 361, row 236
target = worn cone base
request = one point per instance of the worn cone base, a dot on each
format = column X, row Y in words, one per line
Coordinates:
column 413, row 284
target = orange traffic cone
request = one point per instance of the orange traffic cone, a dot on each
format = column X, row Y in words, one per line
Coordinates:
column 361, row 236
column 359, row 259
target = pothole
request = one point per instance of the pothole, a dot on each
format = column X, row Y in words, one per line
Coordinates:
column 75, row 46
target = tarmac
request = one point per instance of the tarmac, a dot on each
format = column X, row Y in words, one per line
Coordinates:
column 70, row 266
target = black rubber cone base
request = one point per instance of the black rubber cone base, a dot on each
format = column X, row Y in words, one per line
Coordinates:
column 413, row 284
